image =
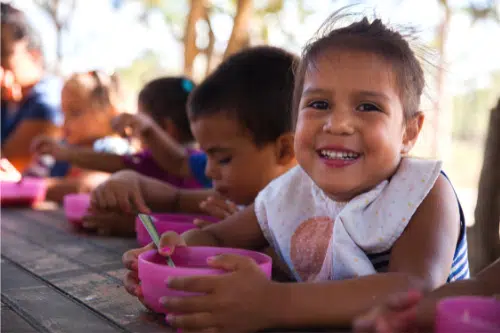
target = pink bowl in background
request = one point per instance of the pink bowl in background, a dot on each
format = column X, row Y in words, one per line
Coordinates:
column 466, row 314
column 178, row 223
column 189, row 261
column 27, row 192
column 75, row 207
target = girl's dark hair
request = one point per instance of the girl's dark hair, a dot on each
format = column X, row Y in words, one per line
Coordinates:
column 371, row 37
column 166, row 97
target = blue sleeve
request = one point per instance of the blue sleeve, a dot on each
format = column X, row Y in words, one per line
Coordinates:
column 60, row 169
column 197, row 164
column 40, row 110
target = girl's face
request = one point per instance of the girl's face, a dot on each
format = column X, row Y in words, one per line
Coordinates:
column 350, row 131
column 84, row 120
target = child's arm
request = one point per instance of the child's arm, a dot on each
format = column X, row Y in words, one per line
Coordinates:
column 169, row 154
column 240, row 230
column 486, row 283
column 85, row 158
column 410, row 311
column 17, row 147
column 57, row 188
column 128, row 191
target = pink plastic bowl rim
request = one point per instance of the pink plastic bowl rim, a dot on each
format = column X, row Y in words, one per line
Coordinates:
column 146, row 257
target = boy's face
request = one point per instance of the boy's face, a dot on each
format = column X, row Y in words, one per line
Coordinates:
column 238, row 168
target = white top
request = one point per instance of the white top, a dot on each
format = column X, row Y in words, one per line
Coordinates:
column 321, row 239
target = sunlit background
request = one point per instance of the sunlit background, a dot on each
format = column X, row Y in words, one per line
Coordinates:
column 144, row 39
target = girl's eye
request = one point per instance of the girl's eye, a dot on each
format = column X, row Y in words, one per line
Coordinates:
column 225, row 160
column 320, row 105
column 367, row 107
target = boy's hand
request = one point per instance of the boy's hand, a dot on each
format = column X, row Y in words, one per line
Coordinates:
column 218, row 207
column 398, row 314
column 42, row 145
column 233, row 302
column 120, row 193
column 132, row 125
column 110, row 223
column 168, row 241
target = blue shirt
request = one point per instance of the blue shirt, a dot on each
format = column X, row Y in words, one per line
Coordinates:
column 42, row 103
column 197, row 164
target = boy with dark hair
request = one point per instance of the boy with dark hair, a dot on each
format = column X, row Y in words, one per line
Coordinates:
column 241, row 117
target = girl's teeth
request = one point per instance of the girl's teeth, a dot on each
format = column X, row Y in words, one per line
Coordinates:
column 339, row 155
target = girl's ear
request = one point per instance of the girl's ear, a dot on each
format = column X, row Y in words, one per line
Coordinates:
column 411, row 132
column 285, row 153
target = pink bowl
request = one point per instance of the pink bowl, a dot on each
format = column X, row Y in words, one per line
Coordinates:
column 178, row 223
column 75, row 207
column 25, row 193
column 467, row 314
column 189, row 261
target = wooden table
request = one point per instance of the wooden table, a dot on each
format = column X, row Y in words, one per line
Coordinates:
column 55, row 279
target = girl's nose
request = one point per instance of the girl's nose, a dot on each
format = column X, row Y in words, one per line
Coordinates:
column 340, row 122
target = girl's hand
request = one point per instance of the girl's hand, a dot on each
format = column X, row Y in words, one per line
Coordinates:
column 120, row 193
column 110, row 223
column 397, row 315
column 42, row 145
column 132, row 125
column 235, row 302
column 132, row 284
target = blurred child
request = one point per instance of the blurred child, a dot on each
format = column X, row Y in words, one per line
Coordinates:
column 89, row 102
column 30, row 98
column 415, row 312
column 354, row 220
column 162, row 126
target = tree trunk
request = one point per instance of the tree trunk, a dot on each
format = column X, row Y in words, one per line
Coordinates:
column 209, row 52
column 196, row 12
column 484, row 235
column 442, row 118
column 240, row 37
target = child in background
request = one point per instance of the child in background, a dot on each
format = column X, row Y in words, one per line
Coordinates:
column 162, row 126
column 89, row 102
column 354, row 220
column 414, row 311
column 247, row 138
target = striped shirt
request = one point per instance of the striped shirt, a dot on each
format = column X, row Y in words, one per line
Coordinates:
column 460, row 266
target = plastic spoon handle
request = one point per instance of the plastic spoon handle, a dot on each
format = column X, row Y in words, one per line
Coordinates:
column 147, row 221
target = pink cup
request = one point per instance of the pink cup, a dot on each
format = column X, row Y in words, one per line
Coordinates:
column 27, row 192
column 189, row 261
column 178, row 223
column 76, row 207
column 466, row 314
